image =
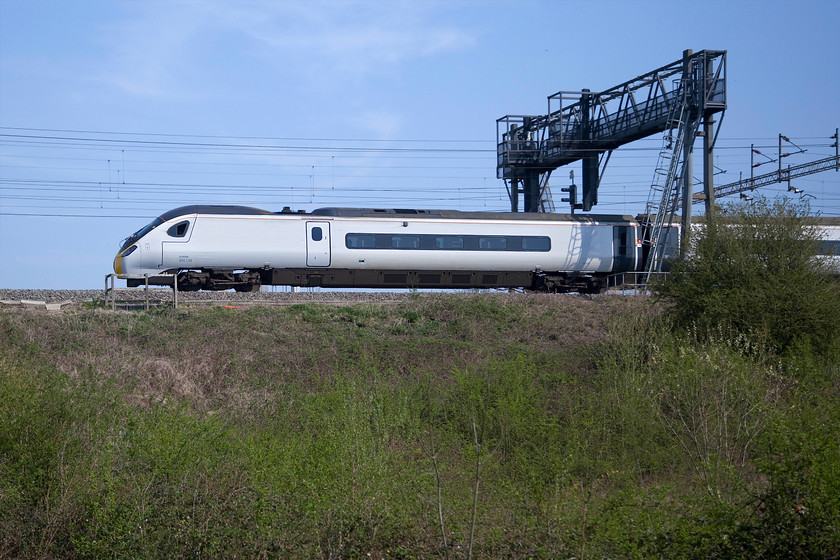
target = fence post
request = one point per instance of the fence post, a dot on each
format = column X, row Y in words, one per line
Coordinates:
column 146, row 293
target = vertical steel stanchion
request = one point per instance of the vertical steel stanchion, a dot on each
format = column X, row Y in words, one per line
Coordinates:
column 147, row 290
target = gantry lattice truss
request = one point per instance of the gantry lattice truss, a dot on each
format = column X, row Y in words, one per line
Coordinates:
column 588, row 126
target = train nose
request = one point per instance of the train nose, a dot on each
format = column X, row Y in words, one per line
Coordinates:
column 119, row 260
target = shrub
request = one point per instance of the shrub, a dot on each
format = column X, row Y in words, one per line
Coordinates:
column 754, row 269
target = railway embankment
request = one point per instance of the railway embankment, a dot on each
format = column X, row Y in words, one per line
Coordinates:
column 509, row 425
column 84, row 296
column 65, row 299
column 58, row 300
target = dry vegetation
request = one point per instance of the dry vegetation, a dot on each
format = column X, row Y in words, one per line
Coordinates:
column 485, row 426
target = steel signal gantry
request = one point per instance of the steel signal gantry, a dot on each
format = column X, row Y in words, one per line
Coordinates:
column 529, row 148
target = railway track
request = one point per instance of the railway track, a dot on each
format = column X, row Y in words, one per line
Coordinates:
column 234, row 299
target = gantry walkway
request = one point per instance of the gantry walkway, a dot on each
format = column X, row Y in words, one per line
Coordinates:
column 529, row 148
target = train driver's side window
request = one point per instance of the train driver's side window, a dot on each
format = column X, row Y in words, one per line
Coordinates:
column 179, row 230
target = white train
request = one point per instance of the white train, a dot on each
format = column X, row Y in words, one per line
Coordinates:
column 242, row 248
column 224, row 247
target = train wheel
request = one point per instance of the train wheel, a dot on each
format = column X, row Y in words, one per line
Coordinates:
column 188, row 282
column 596, row 286
column 250, row 288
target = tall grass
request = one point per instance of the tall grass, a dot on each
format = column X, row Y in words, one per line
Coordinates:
column 447, row 427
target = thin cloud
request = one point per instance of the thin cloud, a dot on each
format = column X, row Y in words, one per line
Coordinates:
column 147, row 53
column 159, row 45
column 344, row 36
column 379, row 123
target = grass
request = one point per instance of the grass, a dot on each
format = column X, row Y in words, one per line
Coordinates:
column 445, row 427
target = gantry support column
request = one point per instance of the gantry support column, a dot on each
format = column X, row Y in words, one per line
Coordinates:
column 531, row 190
column 688, row 145
column 708, row 164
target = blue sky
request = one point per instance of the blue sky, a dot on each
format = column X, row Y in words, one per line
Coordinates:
column 114, row 112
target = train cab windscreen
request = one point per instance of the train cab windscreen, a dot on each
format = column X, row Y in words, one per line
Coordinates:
column 140, row 233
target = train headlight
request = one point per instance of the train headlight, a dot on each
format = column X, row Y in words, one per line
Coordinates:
column 118, row 261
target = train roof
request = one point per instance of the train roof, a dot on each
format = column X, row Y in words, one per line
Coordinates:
column 459, row 215
column 212, row 209
column 226, row 209
column 445, row 214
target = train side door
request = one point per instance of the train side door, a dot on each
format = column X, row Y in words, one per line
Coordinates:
column 317, row 244
column 173, row 247
column 624, row 248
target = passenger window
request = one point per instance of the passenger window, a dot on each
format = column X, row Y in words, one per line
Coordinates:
column 449, row 242
column 536, row 243
column 317, row 234
column 829, row 247
column 405, row 242
column 179, row 229
column 360, row 241
column 492, row 243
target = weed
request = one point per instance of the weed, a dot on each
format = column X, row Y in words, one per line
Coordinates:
column 441, row 427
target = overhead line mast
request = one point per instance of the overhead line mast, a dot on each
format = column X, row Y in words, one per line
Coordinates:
column 781, row 175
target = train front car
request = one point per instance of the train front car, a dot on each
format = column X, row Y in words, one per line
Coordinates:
column 168, row 246
column 134, row 251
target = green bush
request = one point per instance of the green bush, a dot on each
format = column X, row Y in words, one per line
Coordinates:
column 753, row 269
column 359, row 432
